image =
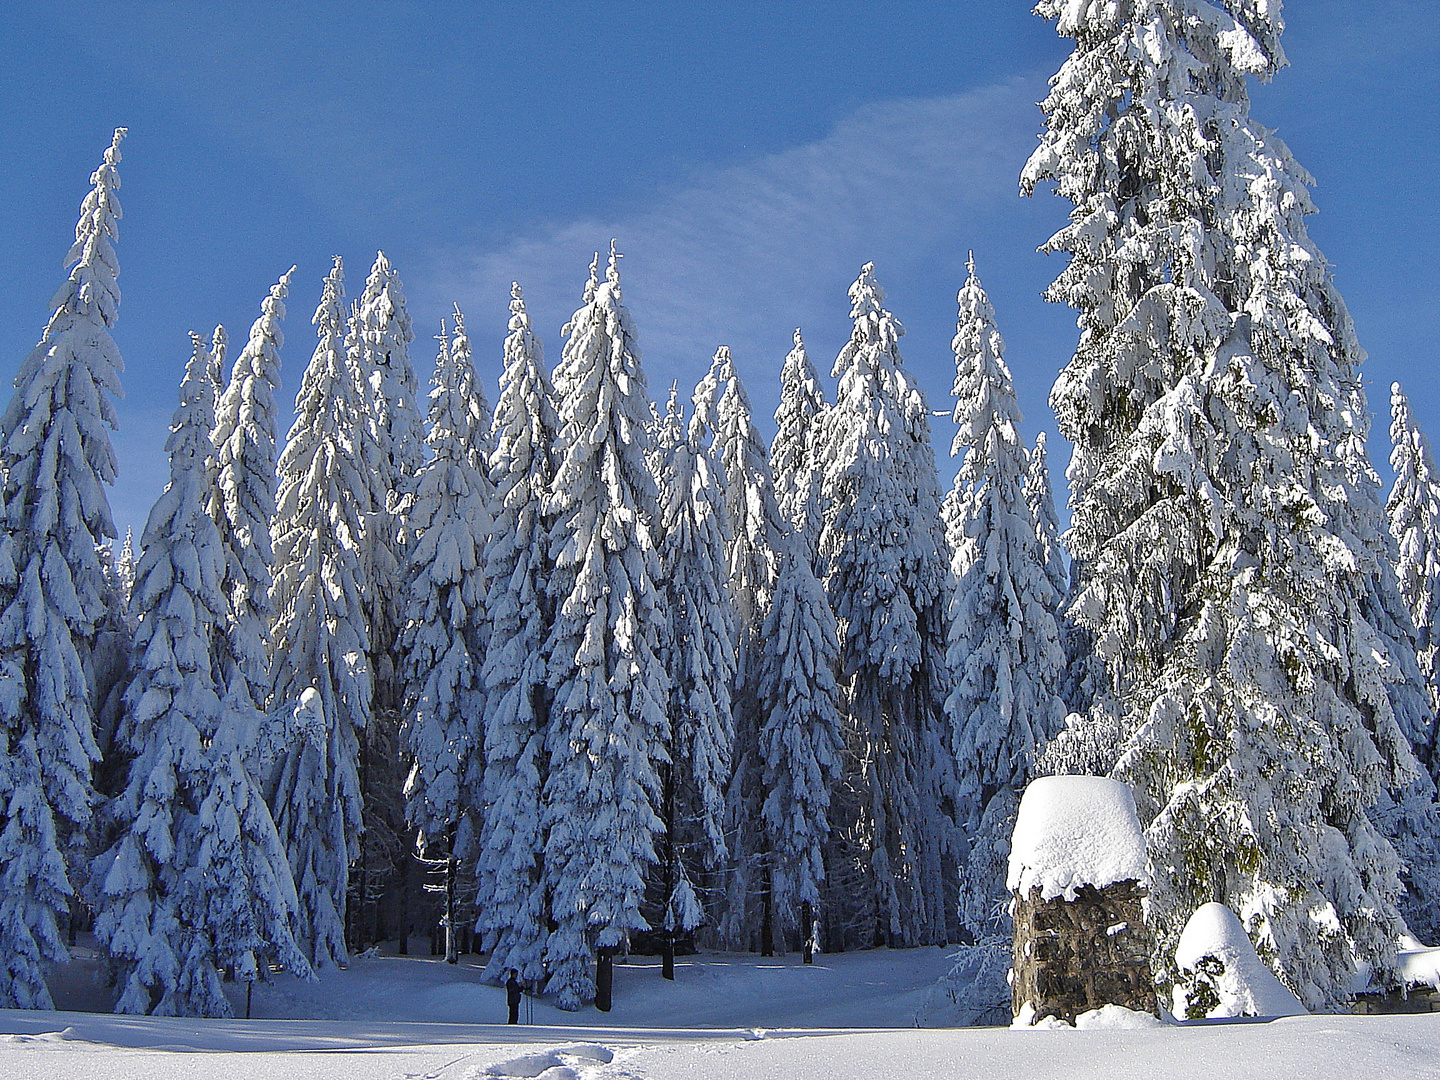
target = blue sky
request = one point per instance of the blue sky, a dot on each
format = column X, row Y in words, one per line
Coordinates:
column 748, row 160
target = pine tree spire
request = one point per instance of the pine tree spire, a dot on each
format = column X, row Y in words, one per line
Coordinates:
column 242, row 503
column 319, row 663
column 792, row 453
column 513, row 909
column 55, row 458
column 1413, row 510
column 882, row 554
column 608, row 726
column 219, row 347
column 1004, row 645
column 1041, row 500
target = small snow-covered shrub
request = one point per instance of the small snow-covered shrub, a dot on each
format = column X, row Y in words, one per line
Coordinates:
column 975, row 992
column 1221, row 975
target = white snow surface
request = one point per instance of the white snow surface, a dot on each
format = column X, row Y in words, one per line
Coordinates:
column 369, row 1031
column 1105, row 1018
column 1074, row 831
column 1246, row 987
column 1419, row 966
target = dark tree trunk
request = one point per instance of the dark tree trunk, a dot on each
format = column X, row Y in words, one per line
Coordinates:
column 767, row 917
column 404, row 948
column 452, row 943
column 604, row 979
column 667, row 948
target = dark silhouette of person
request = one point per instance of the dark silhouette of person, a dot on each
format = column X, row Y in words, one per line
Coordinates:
column 512, row 997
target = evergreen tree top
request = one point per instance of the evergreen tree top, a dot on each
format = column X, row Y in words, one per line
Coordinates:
column 522, row 340
column 189, row 443
column 1411, row 457
column 91, row 290
column 670, row 431
column 219, row 346
column 876, row 331
column 984, row 390
column 382, row 305
column 1247, row 30
column 800, row 389
column 329, row 315
column 478, row 441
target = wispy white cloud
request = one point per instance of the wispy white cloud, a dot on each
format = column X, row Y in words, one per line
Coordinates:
column 744, row 254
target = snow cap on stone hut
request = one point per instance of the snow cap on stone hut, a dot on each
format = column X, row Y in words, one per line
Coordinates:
column 1074, row 831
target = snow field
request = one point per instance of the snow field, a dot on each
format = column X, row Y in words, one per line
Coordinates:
column 66, row 1047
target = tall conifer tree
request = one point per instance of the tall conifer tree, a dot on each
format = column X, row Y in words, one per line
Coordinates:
column 443, row 640
column 242, row 503
column 1226, row 524
column 55, row 458
column 197, row 879
column 882, row 553
column 608, row 725
column 319, row 663
column 517, row 566
column 391, row 451
column 699, row 655
column 792, row 452
column 1004, row 643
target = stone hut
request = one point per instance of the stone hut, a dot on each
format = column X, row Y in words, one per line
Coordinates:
column 1079, row 877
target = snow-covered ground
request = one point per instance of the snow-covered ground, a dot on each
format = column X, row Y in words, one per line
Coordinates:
column 725, row 1018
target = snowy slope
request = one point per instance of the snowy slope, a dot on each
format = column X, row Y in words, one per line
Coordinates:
column 879, row 988
column 129, row 1048
column 725, row 1018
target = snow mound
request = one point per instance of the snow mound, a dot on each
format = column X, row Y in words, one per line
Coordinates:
column 1105, row 1018
column 1418, row 965
column 559, row 1064
column 42, row 1037
column 586, row 1053
column 1222, row 975
column 527, row 1066
column 1074, row 831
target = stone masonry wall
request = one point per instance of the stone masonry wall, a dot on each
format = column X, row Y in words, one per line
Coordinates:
column 1077, row 955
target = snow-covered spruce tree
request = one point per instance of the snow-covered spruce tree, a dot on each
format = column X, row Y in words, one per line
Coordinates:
column 1413, row 510
column 757, row 531
column 242, row 504
column 800, row 740
column 1041, row 500
column 392, row 451
column 883, row 563
column 699, row 652
column 318, row 641
column 608, row 726
column 1004, row 646
column 443, row 637
column 55, row 458
column 197, row 879
column 514, row 908
column 792, row 457
column 219, row 348
column 384, row 337
column 1225, row 522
